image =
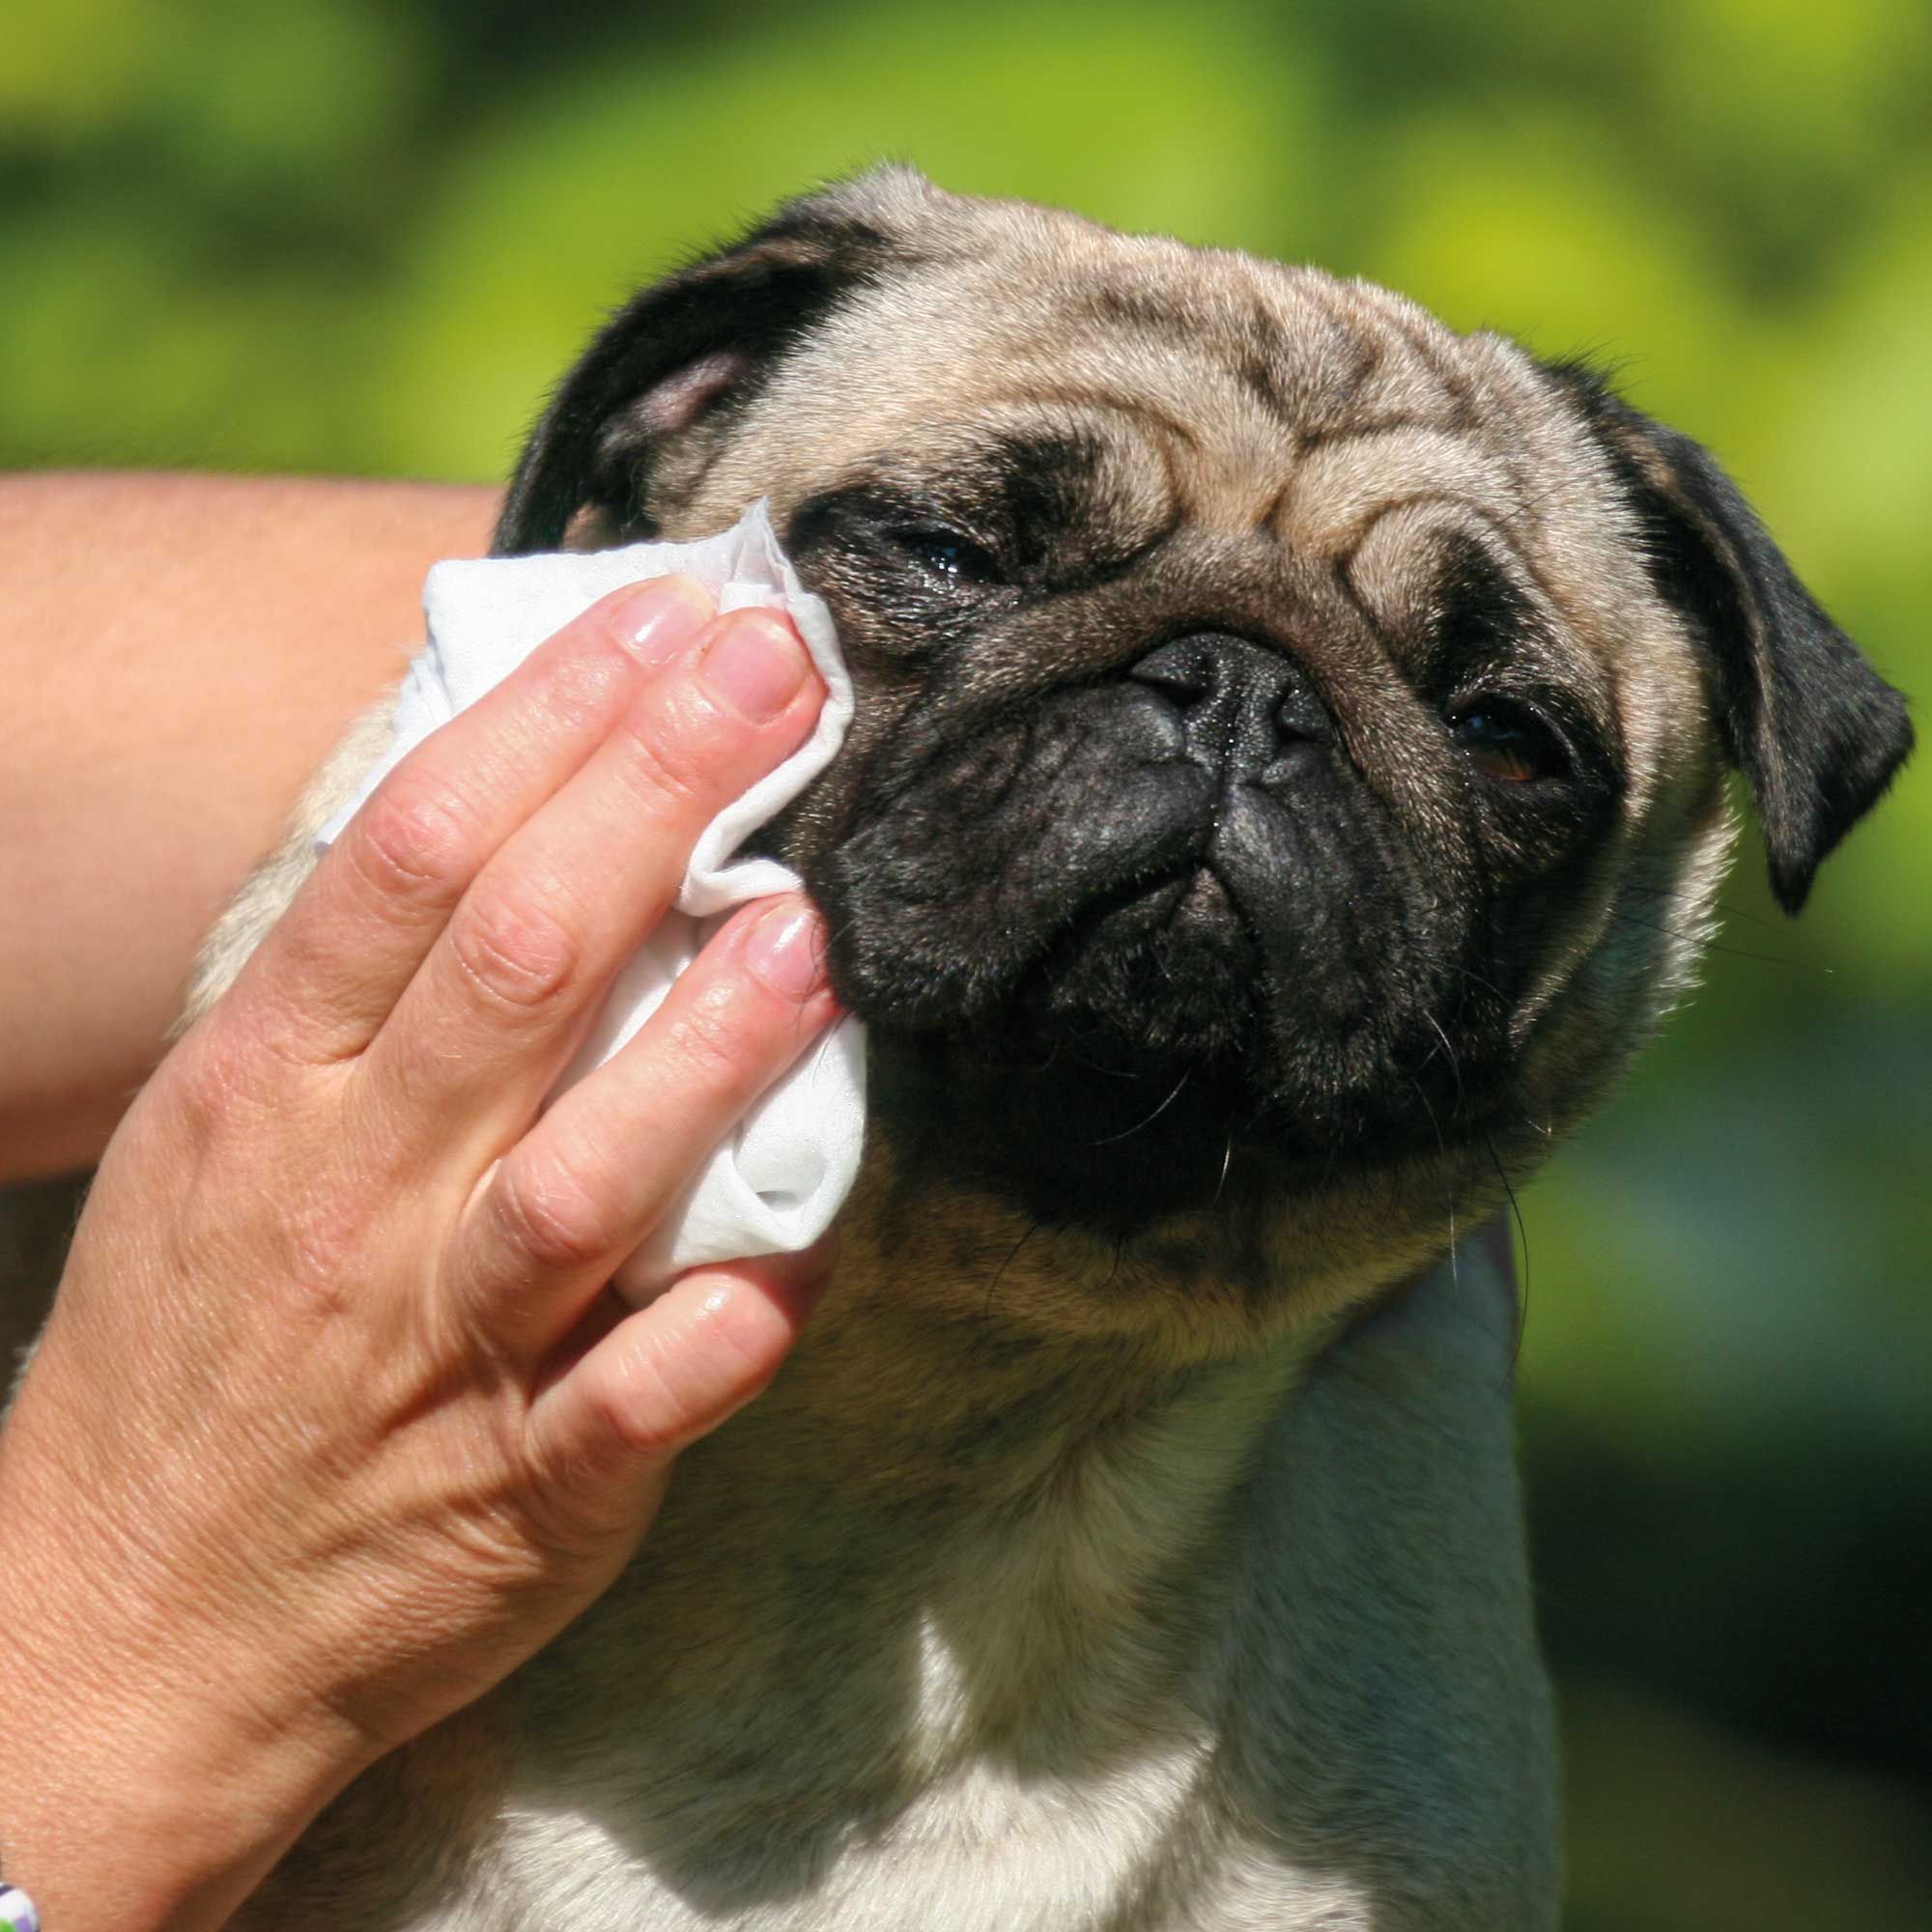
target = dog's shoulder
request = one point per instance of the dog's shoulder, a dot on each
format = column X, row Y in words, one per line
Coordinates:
column 265, row 895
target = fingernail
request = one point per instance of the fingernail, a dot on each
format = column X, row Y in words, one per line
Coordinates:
column 661, row 617
column 755, row 663
column 786, row 951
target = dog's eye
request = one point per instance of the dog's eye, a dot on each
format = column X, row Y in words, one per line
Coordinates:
column 948, row 555
column 1509, row 742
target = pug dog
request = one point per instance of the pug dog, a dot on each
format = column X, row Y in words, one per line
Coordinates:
column 1288, row 780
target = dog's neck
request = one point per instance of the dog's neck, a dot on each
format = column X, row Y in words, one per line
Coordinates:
column 981, row 1535
column 1034, row 1515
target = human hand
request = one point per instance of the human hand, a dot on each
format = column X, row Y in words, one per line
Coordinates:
column 335, row 1420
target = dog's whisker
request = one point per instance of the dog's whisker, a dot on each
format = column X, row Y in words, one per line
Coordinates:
column 1227, row 1161
column 1693, row 936
column 1139, row 1127
column 1455, row 1066
column 1523, row 1239
column 1000, row 1273
column 1441, row 1148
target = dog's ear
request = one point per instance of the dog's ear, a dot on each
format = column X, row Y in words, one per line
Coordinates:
column 1816, row 731
column 697, row 344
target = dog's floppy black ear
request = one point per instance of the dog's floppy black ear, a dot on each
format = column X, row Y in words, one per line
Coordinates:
column 702, row 340
column 1816, row 731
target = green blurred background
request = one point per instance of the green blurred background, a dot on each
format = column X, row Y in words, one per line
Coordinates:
column 363, row 237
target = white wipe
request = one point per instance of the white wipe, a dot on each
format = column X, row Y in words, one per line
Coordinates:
column 774, row 1185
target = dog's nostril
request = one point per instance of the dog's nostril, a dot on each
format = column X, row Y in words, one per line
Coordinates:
column 1302, row 716
column 1183, row 670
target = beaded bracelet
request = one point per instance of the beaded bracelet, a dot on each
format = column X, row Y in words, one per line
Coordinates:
column 17, row 1911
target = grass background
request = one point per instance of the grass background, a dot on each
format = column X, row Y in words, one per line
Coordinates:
column 363, row 236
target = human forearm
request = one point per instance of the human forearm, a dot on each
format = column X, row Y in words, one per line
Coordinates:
column 178, row 653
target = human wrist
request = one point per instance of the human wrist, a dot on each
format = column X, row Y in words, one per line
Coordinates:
column 132, row 1814
column 152, row 1777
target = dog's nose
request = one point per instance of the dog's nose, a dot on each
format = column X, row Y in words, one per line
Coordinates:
column 1248, row 712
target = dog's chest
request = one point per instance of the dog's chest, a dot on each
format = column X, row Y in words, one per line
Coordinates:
column 999, row 1722
column 977, row 1760
column 910, row 1816
column 986, row 1849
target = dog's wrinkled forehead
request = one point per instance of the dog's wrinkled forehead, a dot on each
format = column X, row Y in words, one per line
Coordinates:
column 1292, row 419
column 1229, row 365
column 1255, row 397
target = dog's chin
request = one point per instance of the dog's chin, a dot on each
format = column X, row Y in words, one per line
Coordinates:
column 1149, row 1065
column 1146, row 982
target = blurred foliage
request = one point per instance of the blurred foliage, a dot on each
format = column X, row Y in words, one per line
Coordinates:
column 365, row 236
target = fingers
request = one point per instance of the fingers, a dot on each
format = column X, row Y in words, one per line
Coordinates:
column 332, row 971
column 505, row 991
column 565, row 1205
column 668, row 1375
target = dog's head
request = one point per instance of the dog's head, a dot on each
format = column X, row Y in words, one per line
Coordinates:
column 1291, row 736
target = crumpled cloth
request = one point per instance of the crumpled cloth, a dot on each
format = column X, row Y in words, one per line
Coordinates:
column 774, row 1183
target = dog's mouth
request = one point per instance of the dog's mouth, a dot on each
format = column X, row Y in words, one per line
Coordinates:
column 1112, row 964
column 1150, row 980
column 1152, row 1060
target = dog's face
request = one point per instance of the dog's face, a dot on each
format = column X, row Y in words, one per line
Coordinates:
column 1288, row 772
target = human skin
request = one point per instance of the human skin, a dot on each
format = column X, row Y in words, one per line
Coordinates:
column 178, row 653
column 336, row 1419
